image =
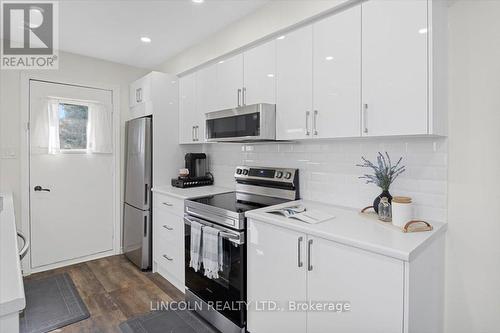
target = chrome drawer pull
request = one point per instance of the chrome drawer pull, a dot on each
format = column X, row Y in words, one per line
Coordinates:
column 167, row 204
column 167, row 257
column 167, row 227
column 309, row 250
column 299, row 250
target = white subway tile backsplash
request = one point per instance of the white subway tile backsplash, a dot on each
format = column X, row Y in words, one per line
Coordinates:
column 328, row 171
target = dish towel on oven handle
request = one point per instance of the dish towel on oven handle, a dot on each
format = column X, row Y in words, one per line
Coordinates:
column 210, row 250
column 195, row 248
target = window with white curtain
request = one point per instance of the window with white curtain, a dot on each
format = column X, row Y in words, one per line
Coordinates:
column 72, row 126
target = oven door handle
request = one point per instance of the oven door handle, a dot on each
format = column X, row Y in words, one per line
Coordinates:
column 232, row 237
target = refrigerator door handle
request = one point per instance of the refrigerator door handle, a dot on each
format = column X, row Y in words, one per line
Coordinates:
column 145, row 226
column 146, row 193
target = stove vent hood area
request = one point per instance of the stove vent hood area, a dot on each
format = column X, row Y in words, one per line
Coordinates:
column 248, row 123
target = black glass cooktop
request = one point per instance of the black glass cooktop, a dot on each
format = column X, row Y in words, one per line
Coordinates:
column 239, row 202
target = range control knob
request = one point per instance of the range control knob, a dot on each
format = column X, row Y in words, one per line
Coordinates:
column 245, row 172
column 288, row 175
column 238, row 171
column 279, row 174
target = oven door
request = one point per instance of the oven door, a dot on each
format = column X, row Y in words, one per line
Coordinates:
column 229, row 289
column 247, row 123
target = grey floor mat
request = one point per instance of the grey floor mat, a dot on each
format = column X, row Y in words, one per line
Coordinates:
column 180, row 321
column 51, row 303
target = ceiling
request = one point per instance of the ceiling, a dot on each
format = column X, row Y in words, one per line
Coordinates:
column 111, row 29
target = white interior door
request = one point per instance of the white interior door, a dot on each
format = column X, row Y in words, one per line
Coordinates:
column 71, row 172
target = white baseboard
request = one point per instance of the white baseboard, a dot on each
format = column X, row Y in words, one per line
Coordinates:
column 70, row 262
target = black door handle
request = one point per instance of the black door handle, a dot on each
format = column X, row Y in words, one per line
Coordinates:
column 39, row 188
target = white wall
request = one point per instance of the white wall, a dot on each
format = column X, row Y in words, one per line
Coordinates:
column 72, row 68
column 473, row 239
column 328, row 171
column 268, row 19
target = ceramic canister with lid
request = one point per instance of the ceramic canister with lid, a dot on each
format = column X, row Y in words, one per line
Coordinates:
column 402, row 211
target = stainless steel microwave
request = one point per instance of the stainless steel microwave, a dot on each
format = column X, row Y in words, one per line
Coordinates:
column 255, row 122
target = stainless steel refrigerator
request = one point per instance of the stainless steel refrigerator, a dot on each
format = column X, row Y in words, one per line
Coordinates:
column 137, row 226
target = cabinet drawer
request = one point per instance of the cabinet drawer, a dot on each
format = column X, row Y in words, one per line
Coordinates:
column 170, row 255
column 168, row 226
column 168, row 204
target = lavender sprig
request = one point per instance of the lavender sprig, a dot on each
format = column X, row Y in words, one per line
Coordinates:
column 384, row 173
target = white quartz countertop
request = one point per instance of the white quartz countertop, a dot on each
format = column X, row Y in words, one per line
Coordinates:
column 11, row 280
column 192, row 192
column 349, row 227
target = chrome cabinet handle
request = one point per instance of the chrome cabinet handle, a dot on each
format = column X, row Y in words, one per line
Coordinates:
column 244, row 98
column 239, row 97
column 167, row 204
column 167, row 227
column 197, row 133
column 26, row 245
column 167, row 257
column 192, row 134
column 308, row 113
column 309, row 250
column 365, row 114
column 299, row 252
column 315, row 122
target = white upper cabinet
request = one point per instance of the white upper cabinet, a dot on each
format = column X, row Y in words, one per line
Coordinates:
column 229, row 82
column 395, row 67
column 187, row 108
column 377, row 68
column 337, row 75
column 206, row 99
column 294, row 85
column 260, row 74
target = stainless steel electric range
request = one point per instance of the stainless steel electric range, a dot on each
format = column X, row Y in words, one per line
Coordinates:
column 222, row 301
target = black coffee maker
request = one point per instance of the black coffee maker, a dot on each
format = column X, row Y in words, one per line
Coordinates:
column 197, row 166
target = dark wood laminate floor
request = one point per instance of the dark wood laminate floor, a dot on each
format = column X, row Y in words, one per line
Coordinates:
column 114, row 290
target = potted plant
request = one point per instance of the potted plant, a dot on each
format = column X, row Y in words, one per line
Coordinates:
column 384, row 174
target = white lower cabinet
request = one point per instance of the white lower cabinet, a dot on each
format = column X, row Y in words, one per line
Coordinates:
column 360, row 291
column 274, row 275
column 168, row 239
column 370, row 283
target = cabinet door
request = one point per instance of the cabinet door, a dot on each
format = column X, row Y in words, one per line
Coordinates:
column 230, row 82
column 274, row 275
column 294, row 85
column 187, row 108
column 394, row 67
column 260, row 74
column 372, row 284
column 206, row 98
column 337, row 75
